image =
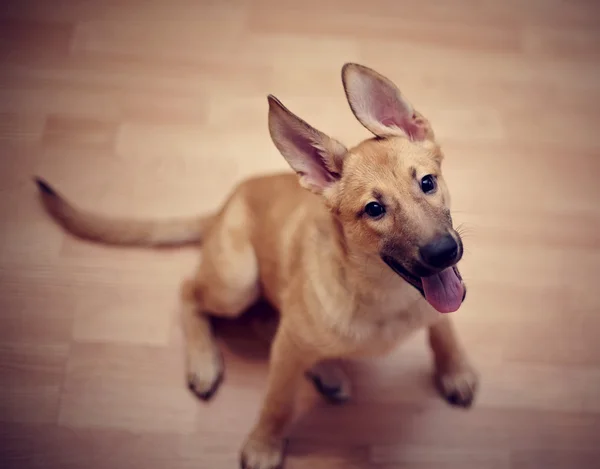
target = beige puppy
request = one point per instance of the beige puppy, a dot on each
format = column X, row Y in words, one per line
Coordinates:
column 356, row 250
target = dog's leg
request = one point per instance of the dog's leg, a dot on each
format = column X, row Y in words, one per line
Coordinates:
column 203, row 359
column 264, row 446
column 455, row 378
column 328, row 376
column 331, row 381
column 226, row 285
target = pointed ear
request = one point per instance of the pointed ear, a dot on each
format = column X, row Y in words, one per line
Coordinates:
column 378, row 105
column 316, row 158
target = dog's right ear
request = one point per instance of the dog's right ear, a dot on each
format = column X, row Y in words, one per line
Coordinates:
column 316, row 158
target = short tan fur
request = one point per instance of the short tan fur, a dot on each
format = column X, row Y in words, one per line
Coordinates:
column 355, row 248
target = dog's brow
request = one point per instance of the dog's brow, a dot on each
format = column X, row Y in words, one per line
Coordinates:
column 377, row 195
column 413, row 172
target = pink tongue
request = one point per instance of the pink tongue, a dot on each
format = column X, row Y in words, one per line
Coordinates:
column 444, row 291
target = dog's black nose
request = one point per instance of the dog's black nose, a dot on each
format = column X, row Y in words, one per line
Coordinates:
column 441, row 252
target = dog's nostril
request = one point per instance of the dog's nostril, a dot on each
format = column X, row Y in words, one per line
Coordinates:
column 441, row 252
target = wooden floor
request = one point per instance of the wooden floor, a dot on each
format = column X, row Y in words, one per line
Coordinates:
column 156, row 108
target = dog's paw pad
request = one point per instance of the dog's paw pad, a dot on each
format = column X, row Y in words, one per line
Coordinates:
column 459, row 387
column 258, row 454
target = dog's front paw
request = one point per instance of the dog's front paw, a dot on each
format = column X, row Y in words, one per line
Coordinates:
column 458, row 385
column 204, row 374
column 262, row 454
column 331, row 382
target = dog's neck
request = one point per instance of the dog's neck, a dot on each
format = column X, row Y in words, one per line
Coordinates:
column 358, row 293
column 365, row 274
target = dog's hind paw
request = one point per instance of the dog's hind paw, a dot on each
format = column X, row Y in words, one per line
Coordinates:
column 459, row 386
column 259, row 454
column 204, row 375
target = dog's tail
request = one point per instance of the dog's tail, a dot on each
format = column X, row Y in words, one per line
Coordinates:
column 121, row 231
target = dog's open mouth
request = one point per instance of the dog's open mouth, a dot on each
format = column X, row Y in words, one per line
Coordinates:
column 444, row 290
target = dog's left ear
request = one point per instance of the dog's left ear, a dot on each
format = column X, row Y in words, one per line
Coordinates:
column 315, row 157
column 378, row 105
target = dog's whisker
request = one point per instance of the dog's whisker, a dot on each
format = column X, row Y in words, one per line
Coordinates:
column 465, row 230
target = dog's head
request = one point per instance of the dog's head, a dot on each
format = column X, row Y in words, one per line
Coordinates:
column 388, row 192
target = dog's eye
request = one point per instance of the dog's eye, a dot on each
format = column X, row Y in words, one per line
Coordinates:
column 374, row 209
column 428, row 184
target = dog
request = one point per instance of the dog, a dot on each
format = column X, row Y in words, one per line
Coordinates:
column 355, row 248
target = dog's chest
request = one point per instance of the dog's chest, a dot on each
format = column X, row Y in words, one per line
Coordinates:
column 369, row 318
column 379, row 326
column 391, row 305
